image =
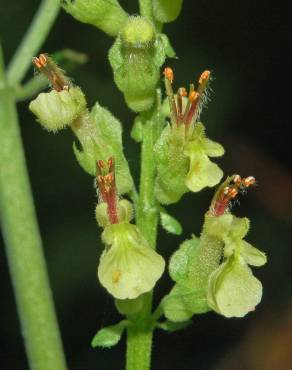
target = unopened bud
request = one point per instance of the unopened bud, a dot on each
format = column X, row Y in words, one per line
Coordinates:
column 109, row 16
column 57, row 109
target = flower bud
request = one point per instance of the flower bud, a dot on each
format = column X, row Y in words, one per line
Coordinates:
column 57, row 109
column 124, row 210
column 128, row 266
column 136, row 57
column 166, row 11
column 109, row 16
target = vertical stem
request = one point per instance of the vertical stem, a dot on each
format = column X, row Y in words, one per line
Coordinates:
column 33, row 39
column 139, row 341
column 146, row 9
column 23, row 244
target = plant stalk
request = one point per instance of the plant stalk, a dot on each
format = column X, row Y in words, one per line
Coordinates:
column 32, row 41
column 139, row 338
column 23, row 243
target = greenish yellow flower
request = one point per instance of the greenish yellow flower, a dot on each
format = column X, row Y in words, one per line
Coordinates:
column 183, row 150
column 128, row 266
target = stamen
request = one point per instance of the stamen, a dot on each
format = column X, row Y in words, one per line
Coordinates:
column 227, row 192
column 168, row 73
column 105, row 180
column 53, row 73
column 203, row 91
column 191, row 91
column 180, row 94
column 194, row 99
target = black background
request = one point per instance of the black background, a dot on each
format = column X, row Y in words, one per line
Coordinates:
column 246, row 45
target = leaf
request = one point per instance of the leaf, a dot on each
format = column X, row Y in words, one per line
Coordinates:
column 109, row 336
column 173, row 326
column 170, row 224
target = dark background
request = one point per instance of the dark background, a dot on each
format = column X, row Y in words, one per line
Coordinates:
column 245, row 44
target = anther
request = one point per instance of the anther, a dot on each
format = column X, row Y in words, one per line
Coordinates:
column 248, row 181
column 168, row 73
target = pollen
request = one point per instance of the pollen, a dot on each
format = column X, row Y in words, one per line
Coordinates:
column 116, row 276
column 205, row 76
column 168, row 73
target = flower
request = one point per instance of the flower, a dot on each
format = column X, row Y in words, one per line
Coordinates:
column 183, row 150
column 128, row 266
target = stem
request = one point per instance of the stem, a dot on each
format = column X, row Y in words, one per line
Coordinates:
column 146, row 9
column 23, row 244
column 139, row 340
column 32, row 41
column 31, row 88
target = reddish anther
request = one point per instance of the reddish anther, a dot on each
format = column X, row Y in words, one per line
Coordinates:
column 227, row 192
column 105, row 180
column 53, row 73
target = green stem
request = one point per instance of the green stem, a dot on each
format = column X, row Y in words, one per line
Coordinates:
column 146, row 9
column 23, row 243
column 32, row 41
column 139, row 341
column 31, row 88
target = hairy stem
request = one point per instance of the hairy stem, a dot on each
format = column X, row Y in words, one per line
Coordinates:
column 139, row 342
column 146, row 9
column 32, row 41
column 23, row 244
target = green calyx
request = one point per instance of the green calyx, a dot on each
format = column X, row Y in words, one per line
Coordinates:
column 124, row 210
column 183, row 162
column 56, row 110
column 136, row 58
column 190, row 267
column 128, row 266
column 138, row 32
column 166, row 11
column 100, row 136
column 107, row 15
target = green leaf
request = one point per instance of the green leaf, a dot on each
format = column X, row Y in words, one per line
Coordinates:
column 109, row 336
column 173, row 326
column 170, row 224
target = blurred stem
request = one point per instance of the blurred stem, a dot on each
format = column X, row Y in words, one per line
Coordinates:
column 139, row 340
column 32, row 41
column 23, row 243
column 31, row 88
